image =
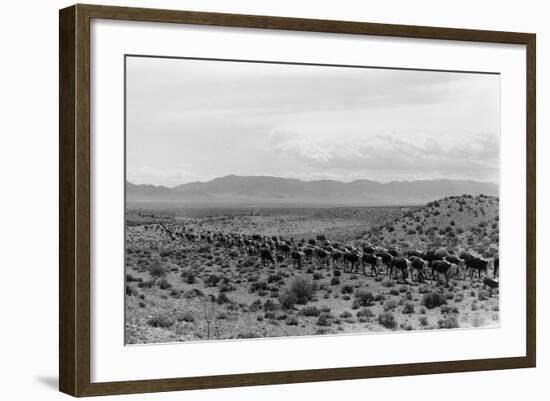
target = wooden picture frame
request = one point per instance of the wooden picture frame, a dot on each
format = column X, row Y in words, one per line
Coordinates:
column 74, row 199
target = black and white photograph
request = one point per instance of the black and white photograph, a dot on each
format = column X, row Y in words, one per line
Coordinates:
column 270, row 199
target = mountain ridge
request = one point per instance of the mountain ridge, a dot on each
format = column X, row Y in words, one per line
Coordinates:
column 270, row 189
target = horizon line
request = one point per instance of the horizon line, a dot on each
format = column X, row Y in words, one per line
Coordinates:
column 315, row 180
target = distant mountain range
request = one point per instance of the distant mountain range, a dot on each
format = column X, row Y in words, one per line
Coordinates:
column 264, row 190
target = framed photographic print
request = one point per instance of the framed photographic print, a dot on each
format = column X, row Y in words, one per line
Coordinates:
column 250, row 200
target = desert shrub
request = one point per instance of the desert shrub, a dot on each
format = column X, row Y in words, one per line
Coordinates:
column 364, row 298
column 188, row 276
column 274, row 278
column 447, row 309
column 478, row 321
column 482, row 295
column 408, row 308
column 310, row 311
column 346, row 314
column 258, row 286
column 159, row 320
column 334, row 281
column 164, row 284
column 387, row 320
column 302, row 289
column 432, row 300
column 291, row 321
column 187, row 317
column 390, row 305
column 147, row 284
column 337, row 273
column 131, row 291
column 130, row 278
column 317, row 276
column 365, row 313
column 255, row 306
column 324, row 319
column 287, row 300
column 451, row 322
column 222, row 298
column 212, row 280
column 347, row 289
column 157, row 270
column 423, row 320
column 394, row 291
column 247, row 334
column 193, row 293
column 388, row 283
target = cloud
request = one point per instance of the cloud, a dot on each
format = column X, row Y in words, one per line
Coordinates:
column 469, row 157
column 148, row 174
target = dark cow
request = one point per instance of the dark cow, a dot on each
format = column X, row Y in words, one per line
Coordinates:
column 491, row 283
column 373, row 261
column 368, row 248
column 296, row 257
column 266, row 256
column 430, row 256
column 414, row 252
column 322, row 255
column 441, row 267
column 352, row 258
column 336, row 256
column 285, row 249
column 476, row 265
column 394, row 252
column 419, row 265
column 308, row 252
column 386, row 258
column 399, row 263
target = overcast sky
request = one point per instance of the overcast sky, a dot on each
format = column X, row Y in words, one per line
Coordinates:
column 194, row 120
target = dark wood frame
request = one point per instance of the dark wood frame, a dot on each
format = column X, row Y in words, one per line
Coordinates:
column 74, row 199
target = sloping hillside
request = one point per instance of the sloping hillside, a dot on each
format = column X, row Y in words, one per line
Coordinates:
column 457, row 223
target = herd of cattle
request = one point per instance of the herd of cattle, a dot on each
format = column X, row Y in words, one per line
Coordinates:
column 366, row 256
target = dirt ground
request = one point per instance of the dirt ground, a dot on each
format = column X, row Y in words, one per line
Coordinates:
column 182, row 290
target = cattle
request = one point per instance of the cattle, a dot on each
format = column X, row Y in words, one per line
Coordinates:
column 476, row 265
column 285, row 249
column 308, row 252
column 458, row 262
column 368, row 248
column 297, row 257
column 491, row 283
column 413, row 252
column 419, row 265
column 394, row 252
column 322, row 255
column 399, row 263
column 336, row 256
column 351, row 257
column 373, row 261
column 441, row 267
column 266, row 256
column 385, row 256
